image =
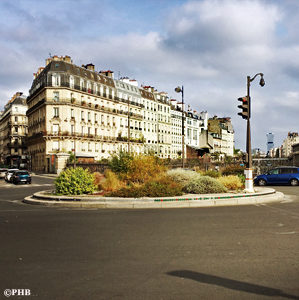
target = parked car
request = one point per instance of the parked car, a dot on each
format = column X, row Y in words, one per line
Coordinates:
column 3, row 172
column 9, row 174
column 21, row 177
column 279, row 175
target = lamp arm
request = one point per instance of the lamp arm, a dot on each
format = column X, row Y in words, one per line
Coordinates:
column 261, row 74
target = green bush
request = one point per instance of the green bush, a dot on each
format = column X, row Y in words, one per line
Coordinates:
column 211, row 173
column 161, row 187
column 204, row 185
column 242, row 178
column 76, row 181
column 183, row 177
column 233, row 170
column 120, row 162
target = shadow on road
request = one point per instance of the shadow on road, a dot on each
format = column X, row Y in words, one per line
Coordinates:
column 231, row 284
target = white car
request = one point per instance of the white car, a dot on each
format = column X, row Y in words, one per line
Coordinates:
column 3, row 172
column 9, row 174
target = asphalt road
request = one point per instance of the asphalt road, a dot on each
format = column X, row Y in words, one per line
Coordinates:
column 241, row 252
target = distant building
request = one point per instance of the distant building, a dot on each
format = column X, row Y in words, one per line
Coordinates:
column 275, row 152
column 287, row 144
column 257, row 152
column 270, row 141
column 13, row 131
column 222, row 132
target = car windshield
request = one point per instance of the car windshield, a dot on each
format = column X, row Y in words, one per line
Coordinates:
column 22, row 173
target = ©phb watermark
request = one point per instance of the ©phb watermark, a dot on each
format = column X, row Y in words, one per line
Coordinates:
column 16, row 292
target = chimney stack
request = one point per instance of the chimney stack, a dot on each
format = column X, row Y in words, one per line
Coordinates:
column 108, row 73
column 89, row 67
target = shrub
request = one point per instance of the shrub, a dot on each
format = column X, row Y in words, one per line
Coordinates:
column 182, row 176
column 204, row 185
column 242, row 178
column 111, row 182
column 72, row 158
column 160, row 187
column 120, row 162
column 211, row 173
column 136, row 168
column 142, row 168
column 233, row 170
column 76, row 181
column 231, row 182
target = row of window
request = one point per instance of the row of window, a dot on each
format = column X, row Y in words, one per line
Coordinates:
column 103, row 90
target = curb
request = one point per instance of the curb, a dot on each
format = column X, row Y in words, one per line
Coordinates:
column 265, row 195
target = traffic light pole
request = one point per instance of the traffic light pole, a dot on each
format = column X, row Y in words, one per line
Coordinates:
column 248, row 170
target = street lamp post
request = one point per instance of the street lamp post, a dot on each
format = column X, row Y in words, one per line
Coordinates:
column 129, row 133
column 248, row 170
column 181, row 90
column 74, row 153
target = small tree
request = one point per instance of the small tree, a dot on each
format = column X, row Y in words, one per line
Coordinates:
column 120, row 162
column 71, row 158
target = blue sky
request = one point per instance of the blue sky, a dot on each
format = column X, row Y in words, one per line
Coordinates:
column 209, row 46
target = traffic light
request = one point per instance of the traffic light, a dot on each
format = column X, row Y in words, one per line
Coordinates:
column 245, row 114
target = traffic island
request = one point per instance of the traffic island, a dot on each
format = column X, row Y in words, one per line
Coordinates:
column 261, row 195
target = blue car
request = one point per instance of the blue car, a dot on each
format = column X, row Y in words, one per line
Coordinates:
column 279, row 175
column 21, row 177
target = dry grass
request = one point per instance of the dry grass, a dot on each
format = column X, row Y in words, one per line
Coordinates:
column 143, row 168
column 111, row 182
column 231, row 182
column 98, row 178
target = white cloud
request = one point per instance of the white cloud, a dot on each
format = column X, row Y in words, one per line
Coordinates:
column 209, row 46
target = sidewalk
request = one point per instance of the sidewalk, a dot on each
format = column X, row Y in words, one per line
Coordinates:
column 46, row 175
column 261, row 195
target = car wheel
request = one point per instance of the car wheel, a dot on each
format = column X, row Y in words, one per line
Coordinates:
column 262, row 182
column 294, row 182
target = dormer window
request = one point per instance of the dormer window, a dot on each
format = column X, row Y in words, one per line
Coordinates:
column 72, row 82
column 55, row 79
column 81, row 84
column 88, row 87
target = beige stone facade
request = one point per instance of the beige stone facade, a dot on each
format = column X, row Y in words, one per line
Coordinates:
column 77, row 110
column 223, row 135
column 13, row 131
column 289, row 141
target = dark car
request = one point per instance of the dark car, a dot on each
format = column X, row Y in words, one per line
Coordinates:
column 21, row 177
column 279, row 175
